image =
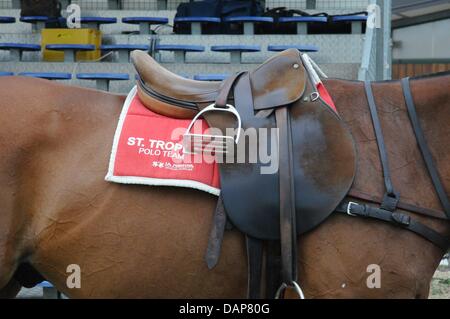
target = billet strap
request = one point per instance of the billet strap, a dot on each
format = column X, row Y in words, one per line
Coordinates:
column 226, row 89
column 391, row 197
column 288, row 232
column 273, row 268
column 255, row 249
column 395, row 218
column 216, row 235
column 423, row 146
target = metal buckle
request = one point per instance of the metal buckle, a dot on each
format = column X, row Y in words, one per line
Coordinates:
column 219, row 142
column 314, row 96
column 349, row 207
column 294, row 285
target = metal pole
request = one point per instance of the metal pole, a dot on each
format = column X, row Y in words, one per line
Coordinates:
column 387, row 70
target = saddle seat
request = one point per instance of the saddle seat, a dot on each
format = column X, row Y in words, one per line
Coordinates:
column 279, row 81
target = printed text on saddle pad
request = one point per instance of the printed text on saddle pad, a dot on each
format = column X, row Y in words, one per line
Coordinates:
column 148, row 150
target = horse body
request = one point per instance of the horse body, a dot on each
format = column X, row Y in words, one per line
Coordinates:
column 138, row 241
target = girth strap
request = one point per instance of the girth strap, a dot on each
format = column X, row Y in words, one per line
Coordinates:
column 288, row 232
column 423, row 146
column 391, row 197
column 395, row 218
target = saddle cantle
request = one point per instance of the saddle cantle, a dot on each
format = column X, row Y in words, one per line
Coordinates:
column 314, row 148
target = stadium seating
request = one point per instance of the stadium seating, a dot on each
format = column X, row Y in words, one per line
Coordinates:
column 37, row 22
column 92, row 22
column 124, row 50
column 302, row 22
column 48, row 75
column 7, row 19
column 211, row 77
column 103, row 79
column 249, row 22
column 145, row 23
column 300, row 47
column 355, row 20
column 236, row 51
column 16, row 49
column 180, row 50
column 70, row 50
column 197, row 22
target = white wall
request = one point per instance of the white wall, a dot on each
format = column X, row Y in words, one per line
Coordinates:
column 425, row 41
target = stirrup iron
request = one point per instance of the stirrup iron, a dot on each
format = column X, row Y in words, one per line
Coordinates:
column 198, row 143
column 284, row 286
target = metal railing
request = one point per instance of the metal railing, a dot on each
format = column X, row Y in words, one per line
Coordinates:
column 376, row 61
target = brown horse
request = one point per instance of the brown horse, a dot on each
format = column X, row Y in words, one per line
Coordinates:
column 56, row 209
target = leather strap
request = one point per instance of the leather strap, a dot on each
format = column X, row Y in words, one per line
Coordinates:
column 273, row 269
column 216, row 235
column 288, row 232
column 395, row 218
column 428, row 212
column 255, row 251
column 423, row 146
column 391, row 197
column 226, row 89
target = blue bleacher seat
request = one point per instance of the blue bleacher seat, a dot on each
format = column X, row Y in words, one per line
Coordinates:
column 236, row 51
column 6, row 73
column 300, row 47
column 16, row 49
column 196, row 22
column 124, row 50
column 180, row 50
column 103, row 79
column 34, row 19
column 70, row 50
column 355, row 20
column 211, row 77
column 7, row 20
column 302, row 22
column 302, row 19
column 350, row 18
column 249, row 22
column 145, row 23
column 38, row 22
column 93, row 22
column 48, row 75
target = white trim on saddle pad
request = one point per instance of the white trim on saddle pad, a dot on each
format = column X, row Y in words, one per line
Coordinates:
column 110, row 177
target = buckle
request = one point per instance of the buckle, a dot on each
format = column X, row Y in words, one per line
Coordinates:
column 314, row 96
column 349, row 207
column 401, row 219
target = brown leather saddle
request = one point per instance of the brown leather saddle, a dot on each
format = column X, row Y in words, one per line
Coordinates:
column 313, row 149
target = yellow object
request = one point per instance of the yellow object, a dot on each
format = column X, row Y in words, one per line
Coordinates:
column 71, row 36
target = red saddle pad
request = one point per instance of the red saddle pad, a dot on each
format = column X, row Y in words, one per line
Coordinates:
column 148, row 150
